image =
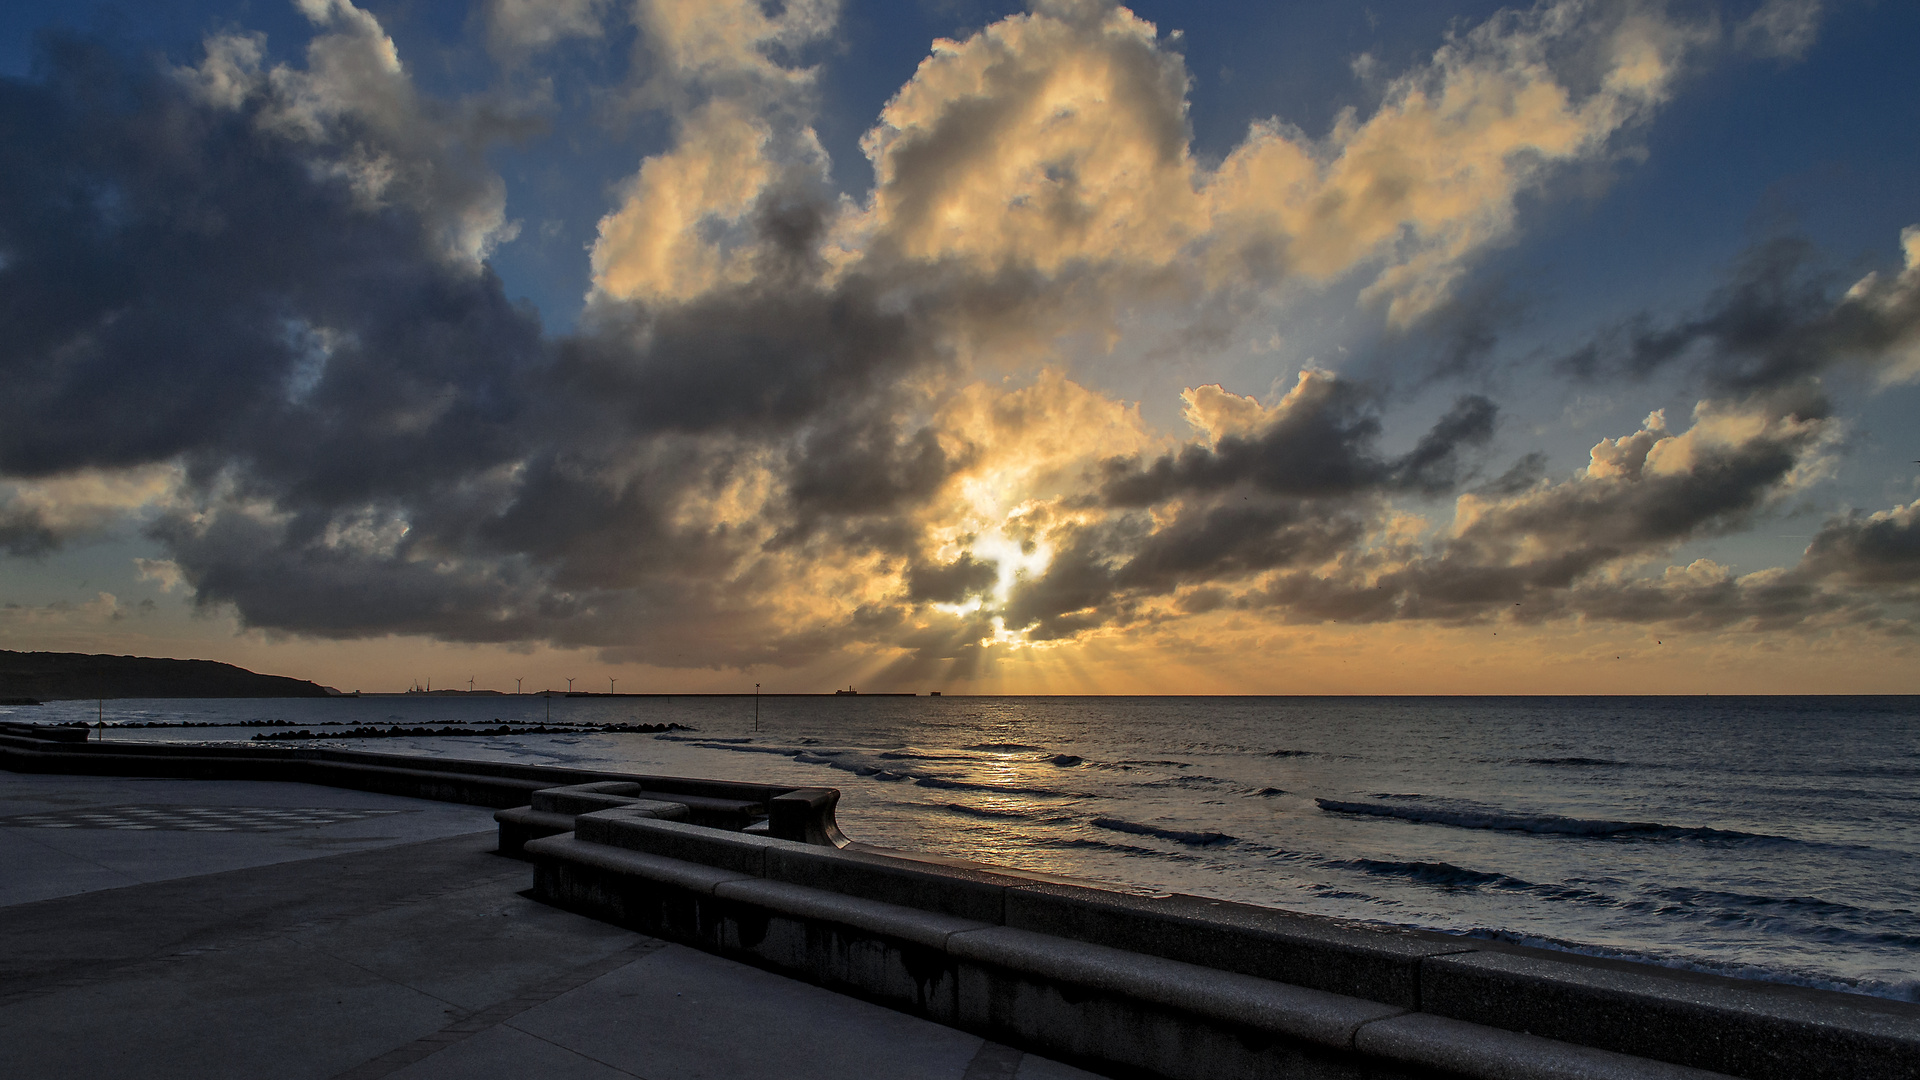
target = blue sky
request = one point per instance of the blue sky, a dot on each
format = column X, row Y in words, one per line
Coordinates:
column 1450, row 361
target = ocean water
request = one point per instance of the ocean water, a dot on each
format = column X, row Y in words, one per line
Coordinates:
column 1771, row 838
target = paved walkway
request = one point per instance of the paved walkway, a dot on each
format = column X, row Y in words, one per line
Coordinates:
column 173, row 928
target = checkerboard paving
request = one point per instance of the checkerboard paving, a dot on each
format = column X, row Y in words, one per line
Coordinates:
column 191, row 818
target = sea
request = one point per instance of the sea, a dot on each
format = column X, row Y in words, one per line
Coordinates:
column 1772, row 838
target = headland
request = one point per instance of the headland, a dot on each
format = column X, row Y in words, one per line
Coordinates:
column 54, row 676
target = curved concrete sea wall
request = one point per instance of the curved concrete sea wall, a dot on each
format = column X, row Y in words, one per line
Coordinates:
column 1124, row 982
column 1183, row 986
column 720, row 804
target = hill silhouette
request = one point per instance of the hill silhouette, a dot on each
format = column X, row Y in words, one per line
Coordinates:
column 49, row 676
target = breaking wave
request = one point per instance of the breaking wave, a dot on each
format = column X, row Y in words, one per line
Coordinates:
column 1191, row 839
column 1544, row 824
column 1005, row 747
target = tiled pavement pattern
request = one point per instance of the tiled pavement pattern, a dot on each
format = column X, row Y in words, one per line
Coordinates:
column 193, row 818
column 417, row 961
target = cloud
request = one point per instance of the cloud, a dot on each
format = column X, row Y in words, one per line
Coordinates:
column 790, row 426
column 330, row 342
column 693, row 218
column 516, row 28
column 38, row 517
column 1869, row 549
column 1057, row 142
column 1317, row 442
column 165, row 572
column 1044, row 140
column 1434, row 176
column 356, row 106
column 1780, row 28
column 1777, row 322
column 61, row 615
column 1306, row 550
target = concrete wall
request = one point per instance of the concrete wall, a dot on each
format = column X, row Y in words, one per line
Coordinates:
column 1183, row 986
column 721, row 803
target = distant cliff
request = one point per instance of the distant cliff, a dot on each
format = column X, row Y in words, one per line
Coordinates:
column 48, row 676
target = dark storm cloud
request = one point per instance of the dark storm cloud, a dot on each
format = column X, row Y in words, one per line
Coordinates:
column 753, row 357
column 1683, row 602
column 1604, row 518
column 1320, row 445
column 25, row 533
column 1075, row 594
column 1779, row 320
column 1227, row 542
column 1285, row 495
column 1106, row 570
column 953, row 582
column 1869, row 549
column 175, row 284
column 374, row 439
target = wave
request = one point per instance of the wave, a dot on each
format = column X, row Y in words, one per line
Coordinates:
column 918, row 755
column 1448, row 876
column 1066, row 761
column 1191, row 839
column 988, row 812
column 1578, row 762
column 1897, row 990
column 1544, row 824
column 1291, row 753
column 736, row 747
column 1443, row 874
column 1189, row 781
column 1269, row 792
column 1809, row 904
column 1004, row 747
column 947, row 784
column 1807, row 917
column 1083, row 842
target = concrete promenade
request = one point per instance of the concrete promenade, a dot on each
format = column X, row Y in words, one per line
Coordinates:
column 184, row 928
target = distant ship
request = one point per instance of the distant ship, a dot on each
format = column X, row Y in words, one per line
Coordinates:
column 844, row 693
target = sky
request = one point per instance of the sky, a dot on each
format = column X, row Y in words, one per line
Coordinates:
column 1223, row 348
